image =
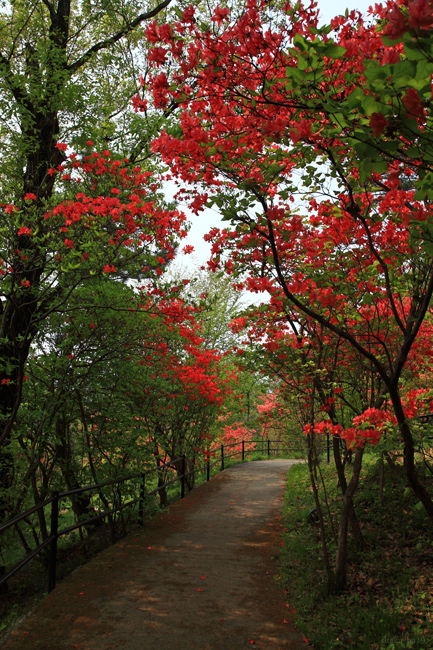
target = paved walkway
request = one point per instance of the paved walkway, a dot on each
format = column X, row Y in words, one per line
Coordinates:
column 198, row 577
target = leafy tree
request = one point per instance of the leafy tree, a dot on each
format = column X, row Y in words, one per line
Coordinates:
column 59, row 65
column 114, row 222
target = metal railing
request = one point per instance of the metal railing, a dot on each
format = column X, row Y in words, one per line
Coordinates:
column 243, row 447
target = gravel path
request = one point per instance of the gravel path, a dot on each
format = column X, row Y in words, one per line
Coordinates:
column 198, row 577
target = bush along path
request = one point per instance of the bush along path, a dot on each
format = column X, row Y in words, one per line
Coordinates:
column 201, row 576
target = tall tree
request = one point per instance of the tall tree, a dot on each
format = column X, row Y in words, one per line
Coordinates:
column 54, row 56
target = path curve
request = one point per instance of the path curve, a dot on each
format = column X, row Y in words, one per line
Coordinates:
column 198, row 577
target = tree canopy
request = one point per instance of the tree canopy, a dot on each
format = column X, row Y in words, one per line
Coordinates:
column 313, row 143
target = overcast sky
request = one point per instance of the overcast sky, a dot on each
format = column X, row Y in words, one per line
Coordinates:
column 210, row 218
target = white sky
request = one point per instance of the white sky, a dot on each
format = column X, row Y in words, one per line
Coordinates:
column 210, row 218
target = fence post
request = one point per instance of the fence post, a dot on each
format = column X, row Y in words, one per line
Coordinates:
column 269, row 448
column 222, row 457
column 243, row 450
column 141, row 502
column 182, row 489
column 208, row 466
column 53, row 546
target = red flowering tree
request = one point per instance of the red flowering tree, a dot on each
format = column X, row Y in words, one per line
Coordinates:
column 59, row 66
column 265, row 102
column 111, row 222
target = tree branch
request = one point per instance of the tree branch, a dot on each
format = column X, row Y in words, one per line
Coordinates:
column 108, row 42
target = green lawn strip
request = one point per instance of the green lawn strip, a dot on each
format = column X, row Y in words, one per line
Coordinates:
column 388, row 603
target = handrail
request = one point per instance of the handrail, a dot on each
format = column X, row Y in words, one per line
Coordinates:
column 56, row 497
column 99, row 485
column 25, row 514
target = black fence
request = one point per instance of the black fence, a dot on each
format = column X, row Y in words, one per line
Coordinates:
column 222, row 454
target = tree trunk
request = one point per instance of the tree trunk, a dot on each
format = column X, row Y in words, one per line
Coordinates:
column 409, row 454
column 81, row 503
column 312, row 469
column 340, row 561
column 353, row 519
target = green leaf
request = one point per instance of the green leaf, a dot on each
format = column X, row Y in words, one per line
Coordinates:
column 300, row 42
column 424, row 71
column 370, row 105
column 388, row 42
column 303, row 63
column 355, row 99
column 380, row 167
column 333, row 51
column 365, row 169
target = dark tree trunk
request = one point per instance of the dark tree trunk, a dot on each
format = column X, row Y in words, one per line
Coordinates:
column 409, row 454
column 340, row 561
column 354, row 523
column 81, row 503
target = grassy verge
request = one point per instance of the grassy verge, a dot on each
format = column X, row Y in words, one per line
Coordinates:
column 388, row 603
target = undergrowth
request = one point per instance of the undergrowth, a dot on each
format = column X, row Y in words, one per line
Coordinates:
column 388, row 602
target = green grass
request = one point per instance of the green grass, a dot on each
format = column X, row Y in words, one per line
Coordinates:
column 388, row 603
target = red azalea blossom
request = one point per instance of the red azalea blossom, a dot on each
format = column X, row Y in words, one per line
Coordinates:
column 188, row 14
column 378, row 123
column 398, row 24
column 412, row 104
column 220, row 14
column 30, row 197
column 140, row 105
column 24, row 231
column 421, row 13
column 302, row 131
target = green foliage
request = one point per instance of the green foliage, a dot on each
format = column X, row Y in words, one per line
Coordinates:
column 385, row 605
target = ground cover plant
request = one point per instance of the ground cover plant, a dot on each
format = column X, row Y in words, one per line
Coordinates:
column 388, row 602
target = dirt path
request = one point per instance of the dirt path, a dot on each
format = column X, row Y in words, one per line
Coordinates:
column 199, row 577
